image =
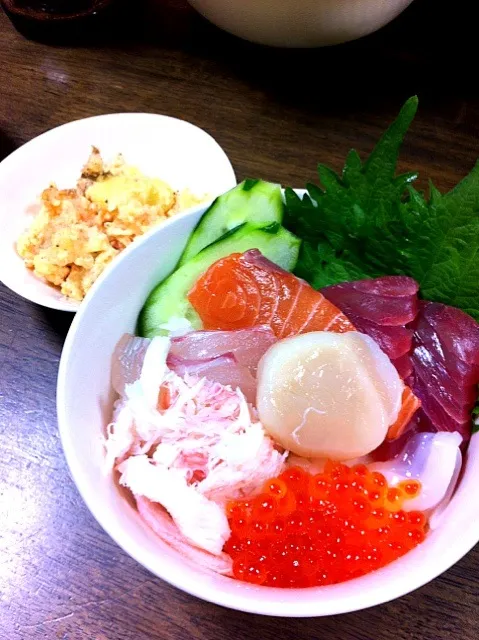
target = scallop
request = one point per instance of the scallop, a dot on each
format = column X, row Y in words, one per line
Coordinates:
column 324, row 394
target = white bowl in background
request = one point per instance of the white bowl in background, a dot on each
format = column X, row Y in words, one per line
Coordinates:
column 176, row 151
column 300, row 23
column 84, row 401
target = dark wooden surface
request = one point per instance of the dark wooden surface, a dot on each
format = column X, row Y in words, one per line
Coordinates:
column 276, row 113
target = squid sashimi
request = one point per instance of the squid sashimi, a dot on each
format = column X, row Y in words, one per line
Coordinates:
column 446, row 367
column 244, row 290
column 382, row 308
column 434, row 459
column 328, row 395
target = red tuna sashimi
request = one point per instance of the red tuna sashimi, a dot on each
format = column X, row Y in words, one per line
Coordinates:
column 446, row 367
column 382, row 308
column 247, row 345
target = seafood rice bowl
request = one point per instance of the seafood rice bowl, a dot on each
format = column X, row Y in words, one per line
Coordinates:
column 267, row 432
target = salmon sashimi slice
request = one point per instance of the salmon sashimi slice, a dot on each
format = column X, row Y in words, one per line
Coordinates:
column 410, row 404
column 244, row 290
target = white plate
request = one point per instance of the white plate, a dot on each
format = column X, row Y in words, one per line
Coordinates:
column 174, row 150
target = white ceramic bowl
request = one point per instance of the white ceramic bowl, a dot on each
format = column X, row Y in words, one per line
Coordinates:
column 84, row 401
column 300, row 23
column 174, row 150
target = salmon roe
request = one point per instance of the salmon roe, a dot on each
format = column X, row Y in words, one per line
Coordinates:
column 307, row 530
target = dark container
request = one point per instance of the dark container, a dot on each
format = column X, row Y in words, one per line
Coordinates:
column 65, row 22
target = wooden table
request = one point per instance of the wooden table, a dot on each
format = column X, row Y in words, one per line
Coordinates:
column 276, row 113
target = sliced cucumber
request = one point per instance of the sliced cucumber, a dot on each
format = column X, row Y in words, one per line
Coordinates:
column 169, row 298
column 254, row 201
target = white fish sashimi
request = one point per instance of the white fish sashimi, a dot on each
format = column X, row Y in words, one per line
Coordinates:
column 199, row 353
column 127, row 361
column 247, row 345
column 130, row 351
column 224, row 369
column 432, row 458
column 138, row 358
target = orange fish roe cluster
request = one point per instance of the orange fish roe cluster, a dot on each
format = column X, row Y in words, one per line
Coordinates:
column 307, row 530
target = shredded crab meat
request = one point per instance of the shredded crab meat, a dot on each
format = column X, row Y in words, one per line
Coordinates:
column 189, row 444
column 201, row 521
column 159, row 521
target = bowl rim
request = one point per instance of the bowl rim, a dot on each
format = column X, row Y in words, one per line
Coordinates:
column 274, row 605
column 14, row 160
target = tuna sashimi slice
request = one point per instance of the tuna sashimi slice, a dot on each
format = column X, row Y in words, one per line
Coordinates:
column 390, row 300
column 428, row 348
column 395, row 341
column 247, row 345
column 382, row 308
column 244, row 290
column 403, row 365
column 446, row 367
